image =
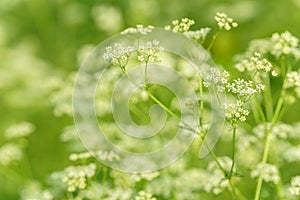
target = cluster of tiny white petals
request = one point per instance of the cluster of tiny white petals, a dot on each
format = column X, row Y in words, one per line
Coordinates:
column 234, row 112
column 292, row 154
column 216, row 77
column 198, row 35
column 224, row 21
column 22, row 129
column 142, row 195
column 139, row 29
column 269, row 173
column 77, row 176
column 292, row 79
column 294, row 188
column 244, row 89
column 106, row 155
column 181, row 26
column 10, row 153
column 279, row 131
column 118, row 54
column 149, row 52
column 145, row 176
column 261, row 64
column 216, row 182
column 284, row 43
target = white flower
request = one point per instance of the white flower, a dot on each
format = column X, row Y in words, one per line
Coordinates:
column 10, row 153
column 142, row 195
column 283, row 43
column 294, row 189
column 118, row 54
column 269, row 172
column 139, row 29
column 198, row 35
column 181, row 26
column 77, row 176
column 22, row 129
column 261, row 64
column 225, row 22
column 292, row 154
column 234, row 112
column 149, row 52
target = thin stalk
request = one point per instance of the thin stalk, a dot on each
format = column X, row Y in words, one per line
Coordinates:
column 233, row 150
column 233, row 189
column 264, row 161
column 268, row 99
column 201, row 106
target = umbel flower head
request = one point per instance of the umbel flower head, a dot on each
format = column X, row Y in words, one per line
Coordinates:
column 224, row 21
column 181, row 26
column 198, row 35
column 283, row 43
column 294, row 189
column 149, row 52
column 139, row 29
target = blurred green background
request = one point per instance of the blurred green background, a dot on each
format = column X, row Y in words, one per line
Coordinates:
column 40, row 39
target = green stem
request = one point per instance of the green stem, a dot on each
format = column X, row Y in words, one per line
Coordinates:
column 268, row 99
column 233, row 150
column 201, row 106
column 234, row 192
column 264, row 161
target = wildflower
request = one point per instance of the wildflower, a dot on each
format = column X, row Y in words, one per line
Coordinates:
column 118, row 54
column 244, row 89
column 280, row 131
column 283, row 43
column 181, row 26
column 139, row 29
column 142, row 195
column 225, row 22
column 294, row 189
column 261, row 64
column 10, row 153
column 149, row 52
column 269, row 172
column 198, row 35
column 77, row 176
column 215, row 76
column 234, row 112
column 22, row 129
column 292, row 154
column 292, row 79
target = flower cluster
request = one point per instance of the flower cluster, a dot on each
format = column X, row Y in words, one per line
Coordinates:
column 149, row 52
column 215, row 77
column 10, row 153
column 294, row 189
column 261, row 64
column 139, row 29
column 216, row 182
column 269, row 172
column 198, row 35
column 292, row 79
column 292, row 154
column 284, row 43
column 142, row 195
column 224, row 21
column 77, row 176
column 22, row 129
column 243, row 89
column 234, row 112
column 181, row 26
column 118, row 54
column 280, row 130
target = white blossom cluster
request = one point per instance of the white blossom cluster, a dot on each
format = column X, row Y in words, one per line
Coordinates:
column 22, row 129
column 294, row 188
column 244, row 89
column 234, row 112
column 198, row 35
column 142, row 195
column 181, row 26
column 269, row 172
column 33, row 191
column 100, row 154
column 216, row 182
column 139, row 29
column 216, row 77
column 224, row 21
column 284, row 43
column 293, row 82
column 149, row 52
column 118, row 54
column 292, row 154
column 279, row 131
column 77, row 177
column 261, row 64
column 10, row 153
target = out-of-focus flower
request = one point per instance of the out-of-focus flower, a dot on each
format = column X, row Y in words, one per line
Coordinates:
column 142, row 195
column 283, row 43
column 224, row 21
column 269, row 172
column 198, row 35
column 107, row 18
column 294, row 189
column 139, row 29
column 10, row 153
column 22, row 129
